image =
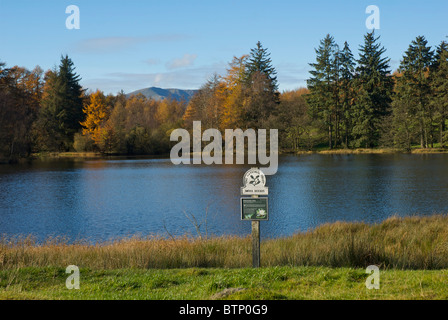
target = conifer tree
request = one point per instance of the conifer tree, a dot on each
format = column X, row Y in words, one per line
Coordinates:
column 415, row 80
column 322, row 100
column 374, row 87
column 404, row 122
column 347, row 63
column 72, row 94
column 439, row 86
column 260, row 61
column 62, row 108
column 260, row 89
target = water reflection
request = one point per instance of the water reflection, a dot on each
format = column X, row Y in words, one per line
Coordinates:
column 103, row 199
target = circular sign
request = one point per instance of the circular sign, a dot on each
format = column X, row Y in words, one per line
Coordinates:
column 254, row 178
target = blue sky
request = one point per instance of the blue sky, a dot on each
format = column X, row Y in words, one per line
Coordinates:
column 136, row 44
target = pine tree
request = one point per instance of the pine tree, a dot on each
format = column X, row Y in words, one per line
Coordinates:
column 48, row 127
column 415, row 67
column 374, row 87
column 439, row 85
column 404, row 121
column 346, row 91
column 260, row 61
column 62, row 108
column 260, row 103
column 322, row 99
column 72, row 94
column 260, row 88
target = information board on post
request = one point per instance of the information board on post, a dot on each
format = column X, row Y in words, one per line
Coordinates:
column 254, row 209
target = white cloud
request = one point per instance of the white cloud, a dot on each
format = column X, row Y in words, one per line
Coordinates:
column 292, row 76
column 186, row 61
column 152, row 62
column 113, row 44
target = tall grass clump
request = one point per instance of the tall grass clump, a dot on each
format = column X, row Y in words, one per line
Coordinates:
column 400, row 243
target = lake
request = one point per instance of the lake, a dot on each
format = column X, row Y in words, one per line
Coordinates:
column 104, row 199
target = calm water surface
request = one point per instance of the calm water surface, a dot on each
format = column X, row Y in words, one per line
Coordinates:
column 107, row 199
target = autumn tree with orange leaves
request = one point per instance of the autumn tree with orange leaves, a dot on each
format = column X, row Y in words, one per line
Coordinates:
column 96, row 115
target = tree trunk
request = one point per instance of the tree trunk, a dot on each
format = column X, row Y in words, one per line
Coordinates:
column 11, row 151
column 442, row 129
column 408, row 139
column 330, row 136
column 337, row 131
column 422, row 144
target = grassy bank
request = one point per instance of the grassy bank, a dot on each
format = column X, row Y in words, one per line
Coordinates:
column 375, row 151
column 326, row 263
column 248, row 284
column 55, row 155
column 415, row 150
column 409, row 243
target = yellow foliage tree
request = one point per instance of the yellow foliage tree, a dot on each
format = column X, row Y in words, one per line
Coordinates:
column 233, row 106
column 96, row 115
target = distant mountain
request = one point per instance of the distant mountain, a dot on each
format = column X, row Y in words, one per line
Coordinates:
column 160, row 94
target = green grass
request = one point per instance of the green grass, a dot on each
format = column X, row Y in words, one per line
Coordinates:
column 275, row 283
column 325, row 263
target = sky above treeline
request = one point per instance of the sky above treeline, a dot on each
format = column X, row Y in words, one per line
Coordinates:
column 130, row 45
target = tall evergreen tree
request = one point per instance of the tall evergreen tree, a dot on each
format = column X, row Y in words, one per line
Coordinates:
column 261, row 88
column 439, row 86
column 73, row 95
column 322, row 100
column 260, row 61
column 415, row 80
column 347, row 63
column 404, row 124
column 62, row 107
column 374, row 87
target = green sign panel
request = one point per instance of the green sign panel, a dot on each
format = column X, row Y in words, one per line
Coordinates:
column 254, row 209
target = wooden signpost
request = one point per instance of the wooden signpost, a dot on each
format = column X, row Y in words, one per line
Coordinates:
column 254, row 209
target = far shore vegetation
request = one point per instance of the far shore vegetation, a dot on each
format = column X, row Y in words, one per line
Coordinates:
column 352, row 103
column 282, row 152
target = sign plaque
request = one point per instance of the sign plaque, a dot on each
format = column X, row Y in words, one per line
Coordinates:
column 254, row 209
column 254, row 182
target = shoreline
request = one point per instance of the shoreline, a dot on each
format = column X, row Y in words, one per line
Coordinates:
column 98, row 155
column 375, row 151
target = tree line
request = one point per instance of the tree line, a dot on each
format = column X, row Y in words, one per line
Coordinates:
column 51, row 112
column 361, row 103
column 348, row 103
